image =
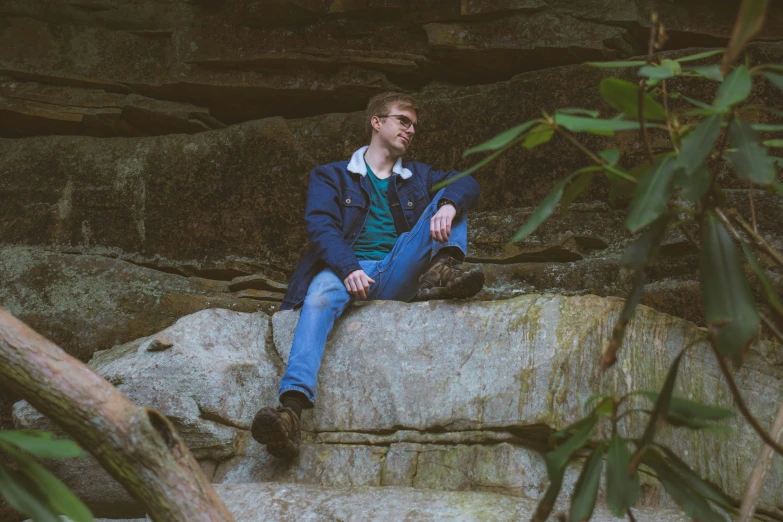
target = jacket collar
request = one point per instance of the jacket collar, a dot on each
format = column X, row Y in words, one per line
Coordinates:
column 357, row 165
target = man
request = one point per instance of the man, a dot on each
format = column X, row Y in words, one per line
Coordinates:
column 373, row 229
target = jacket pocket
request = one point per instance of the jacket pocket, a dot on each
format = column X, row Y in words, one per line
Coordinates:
column 353, row 198
column 413, row 199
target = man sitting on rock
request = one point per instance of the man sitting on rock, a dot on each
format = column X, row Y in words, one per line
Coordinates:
column 375, row 233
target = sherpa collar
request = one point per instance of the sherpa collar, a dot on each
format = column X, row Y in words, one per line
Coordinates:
column 357, row 165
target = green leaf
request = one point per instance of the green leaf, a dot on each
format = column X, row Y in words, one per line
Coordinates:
column 578, row 186
column 651, row 197
column 56, row 495
column 725, row 290
column 678, row 421
column 749, row 22
column 624, row 97
column 618, row 332
column 695, row 482
column 23, row 496
column 596, row 125
column 698, row 144
column 611, row 156
column 557, row 459
column 767, row 127
column 734, row 89
column 691, row 503
column 776, row 79
column 662, row 403
column 711, row 72
column 501, row 140
column 547, row 502
column 751, row 160
column 688, row 408
column 696, row 184
column 617, row 65
column 543, row 210
column 667, row 69
column 644, row 247
column 41, row 444
column 697, row 103
column 580, row 112
column 586, row 489
column 595, row 398
column 766, row 285
column 622, row 489
column 62, row 500
column 539, row 135
column 472, row 168
column 694, row 57
column 773, row 143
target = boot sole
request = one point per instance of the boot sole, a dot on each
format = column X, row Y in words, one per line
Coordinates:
column 466, row 286
column 268, row 429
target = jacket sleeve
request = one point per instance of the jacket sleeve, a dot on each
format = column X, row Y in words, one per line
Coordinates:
column 464, row 192
column 323, row 222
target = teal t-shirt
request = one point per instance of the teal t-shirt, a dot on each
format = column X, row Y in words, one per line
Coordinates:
column 378, row 235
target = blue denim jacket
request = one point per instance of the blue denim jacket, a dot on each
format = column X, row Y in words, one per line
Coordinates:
column 338, row 200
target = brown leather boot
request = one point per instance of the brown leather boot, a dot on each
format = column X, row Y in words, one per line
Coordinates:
column 448, row 278
column 278, row 429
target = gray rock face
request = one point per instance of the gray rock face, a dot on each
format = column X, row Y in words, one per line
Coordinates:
column 262, row 502
column 209, row 373
column 441, row 395
column 134, row 69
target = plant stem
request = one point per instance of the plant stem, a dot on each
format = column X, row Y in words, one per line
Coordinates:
column 640, row 115
column 630, row 515
column 759, row 242
column 743, row 408
column 756, row 480
column 773, row 328
column 752, row 209
column 669, row 116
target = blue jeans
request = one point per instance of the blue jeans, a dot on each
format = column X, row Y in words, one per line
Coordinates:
column 396, row 278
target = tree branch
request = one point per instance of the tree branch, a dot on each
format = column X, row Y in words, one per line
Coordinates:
column 743, row 408
column 137, row 446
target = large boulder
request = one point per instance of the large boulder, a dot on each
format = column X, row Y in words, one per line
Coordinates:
column 438, row 395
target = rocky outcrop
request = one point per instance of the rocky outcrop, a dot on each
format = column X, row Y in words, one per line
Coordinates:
column 229, row 203
column 109, row 68
column 91, row 302
column 439, row 395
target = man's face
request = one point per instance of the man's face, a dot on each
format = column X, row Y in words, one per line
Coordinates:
column 391, row 129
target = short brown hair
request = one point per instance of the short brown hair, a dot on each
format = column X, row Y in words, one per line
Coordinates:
column 381, row 103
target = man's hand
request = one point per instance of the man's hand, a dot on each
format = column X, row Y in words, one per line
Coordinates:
column 358, row 284
column 440, row 224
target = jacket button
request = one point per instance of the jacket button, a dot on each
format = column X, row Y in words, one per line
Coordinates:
column 348, row 201
column 410, row 203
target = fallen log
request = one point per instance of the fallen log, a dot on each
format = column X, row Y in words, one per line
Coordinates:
column 137, row 446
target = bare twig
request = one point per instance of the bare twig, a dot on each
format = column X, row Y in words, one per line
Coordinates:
column 669, row 116
column 689, row 237
column 758, row 241
column 630, row 515
column 642, row 126
column 759, row 472
column 773, row 328
column 743, row 408
column 590, row 154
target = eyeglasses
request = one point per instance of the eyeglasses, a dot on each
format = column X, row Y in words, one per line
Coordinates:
column 404, row 120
